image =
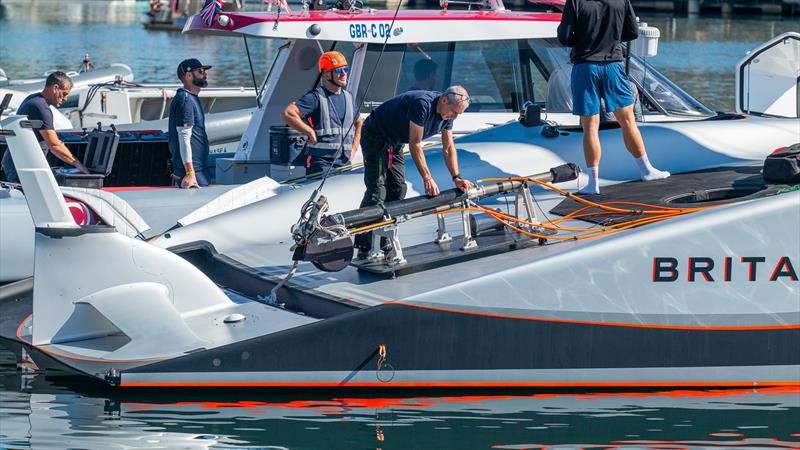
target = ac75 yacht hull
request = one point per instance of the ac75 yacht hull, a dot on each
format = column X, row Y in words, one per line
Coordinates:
column 705, row 297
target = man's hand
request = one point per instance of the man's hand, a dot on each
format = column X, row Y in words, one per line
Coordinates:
column 189, row 181
column 79, row 165
column 463, row 184
column 430, row 187
column 311, row 138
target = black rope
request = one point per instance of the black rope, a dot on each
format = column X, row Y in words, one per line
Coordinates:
column 358, row 101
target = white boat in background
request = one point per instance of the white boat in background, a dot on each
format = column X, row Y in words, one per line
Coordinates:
column 81, row 82
column 130, row 103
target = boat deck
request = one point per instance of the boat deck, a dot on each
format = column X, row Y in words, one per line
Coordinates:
column 434, row 281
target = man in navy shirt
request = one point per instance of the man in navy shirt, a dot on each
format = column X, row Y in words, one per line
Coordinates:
column 37, row 107
column 408, row 118
column 329, row 117
column 188, row 142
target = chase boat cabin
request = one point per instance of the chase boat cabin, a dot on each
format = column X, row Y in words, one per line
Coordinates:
column 503, row 58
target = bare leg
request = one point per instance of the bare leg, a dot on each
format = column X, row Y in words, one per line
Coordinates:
column 630, row 131
column 591, row 140
column 591, row 152
column 635, row 144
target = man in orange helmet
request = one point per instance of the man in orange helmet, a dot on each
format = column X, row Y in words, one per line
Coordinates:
column 329, row 117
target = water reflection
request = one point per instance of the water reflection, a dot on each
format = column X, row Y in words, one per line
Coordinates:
column 53, row 411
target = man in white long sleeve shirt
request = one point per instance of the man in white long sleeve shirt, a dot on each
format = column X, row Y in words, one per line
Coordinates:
column 188, row 142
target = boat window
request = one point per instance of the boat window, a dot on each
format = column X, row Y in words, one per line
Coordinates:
column 382, row 81
column 659, row 89
column 491, row 72
column 497, row 74
column 658, row 95
column 426, row 66
column 540, row 65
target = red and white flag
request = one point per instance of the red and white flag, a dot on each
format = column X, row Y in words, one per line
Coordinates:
column 210, row 10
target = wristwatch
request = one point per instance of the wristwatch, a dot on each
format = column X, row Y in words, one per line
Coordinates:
column 456, row 176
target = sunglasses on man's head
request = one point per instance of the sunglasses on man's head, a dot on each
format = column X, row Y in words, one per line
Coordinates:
column 341, row 70
column 201, row 71
column 460, row 97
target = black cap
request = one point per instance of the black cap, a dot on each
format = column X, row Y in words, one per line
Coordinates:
column 188, row 65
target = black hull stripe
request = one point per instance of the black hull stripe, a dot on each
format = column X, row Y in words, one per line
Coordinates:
column 424, row 339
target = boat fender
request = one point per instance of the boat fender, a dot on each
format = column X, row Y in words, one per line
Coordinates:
column 783, row 165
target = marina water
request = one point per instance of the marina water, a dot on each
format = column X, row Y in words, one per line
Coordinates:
column 57, row 412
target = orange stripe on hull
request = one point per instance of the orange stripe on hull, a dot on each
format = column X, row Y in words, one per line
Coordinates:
column 610, row 324
column 553, row 384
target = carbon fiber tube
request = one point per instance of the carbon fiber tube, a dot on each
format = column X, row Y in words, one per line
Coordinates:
column 422, row 205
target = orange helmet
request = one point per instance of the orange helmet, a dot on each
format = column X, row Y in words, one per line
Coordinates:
column 331, row 60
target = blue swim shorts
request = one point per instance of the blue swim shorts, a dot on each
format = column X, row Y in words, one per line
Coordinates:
column 592, row 81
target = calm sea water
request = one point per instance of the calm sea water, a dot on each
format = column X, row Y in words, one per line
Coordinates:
column 700, row 54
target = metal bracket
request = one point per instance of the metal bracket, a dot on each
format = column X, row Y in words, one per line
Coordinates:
column 523, row 205
column 442, row 236
column 395, row 256
column 469, row 241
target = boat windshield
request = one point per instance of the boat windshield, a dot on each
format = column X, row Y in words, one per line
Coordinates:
column 659, row 95
column 492, row 72
column 663, row 92
column 500, row 76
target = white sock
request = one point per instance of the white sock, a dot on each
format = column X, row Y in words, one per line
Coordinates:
column 647, row 170
column 591, row 187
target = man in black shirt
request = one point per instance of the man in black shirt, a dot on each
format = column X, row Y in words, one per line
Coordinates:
column 408, row 118
column 595, row 30
column 37, row 107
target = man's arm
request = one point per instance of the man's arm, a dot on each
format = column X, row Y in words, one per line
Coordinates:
column 356, row 137
column 60, row 150
column 630, row 29
column 291, row 114
column 451, row 161
column 185, row 113
column 415, row 147
column 566, row 29
column 185, row 144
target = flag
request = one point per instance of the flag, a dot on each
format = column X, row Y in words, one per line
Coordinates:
column 210, row 10
column 281, row 4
